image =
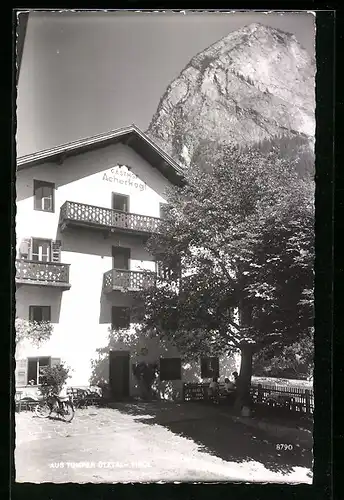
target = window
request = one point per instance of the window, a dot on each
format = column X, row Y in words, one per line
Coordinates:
column 28, row 370
column 120, row 202
column 170, row 369
column 41, row 250
column 120, row 257
column 43, row 193
column 210, row 367
column 39, row 313
column 120, row 317
column 34, row 369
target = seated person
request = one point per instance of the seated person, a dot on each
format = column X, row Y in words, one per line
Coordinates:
column 229, row 386
column 230, row 390
column 236, row 378
column 213, row 388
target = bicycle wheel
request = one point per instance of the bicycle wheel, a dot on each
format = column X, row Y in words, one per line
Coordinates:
column 67, row 412
column 43, row 410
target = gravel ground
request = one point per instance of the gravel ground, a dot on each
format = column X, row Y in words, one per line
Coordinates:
column 151, row 443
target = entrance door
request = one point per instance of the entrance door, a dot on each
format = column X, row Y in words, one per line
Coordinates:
column 120, row 258
column 119, row 374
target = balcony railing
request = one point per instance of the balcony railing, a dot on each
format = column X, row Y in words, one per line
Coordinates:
column 32, row 272
column 123, row 280
column 79, row 214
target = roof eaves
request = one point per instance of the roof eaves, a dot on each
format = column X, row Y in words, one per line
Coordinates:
column 162, row 153
column 45, row 155
column 72, row 146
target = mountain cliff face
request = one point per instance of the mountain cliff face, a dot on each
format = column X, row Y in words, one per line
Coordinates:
column 254, row 84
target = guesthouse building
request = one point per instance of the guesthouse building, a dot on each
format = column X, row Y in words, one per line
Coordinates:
column 85, row 211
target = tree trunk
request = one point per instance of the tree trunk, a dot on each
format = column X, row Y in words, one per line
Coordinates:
column 244, row 382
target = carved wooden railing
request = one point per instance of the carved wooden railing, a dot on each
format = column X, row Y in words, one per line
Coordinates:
column 118, row 279
column 45, row 273
column 109, row 218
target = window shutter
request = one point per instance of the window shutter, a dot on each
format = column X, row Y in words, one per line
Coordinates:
column 204, row 368
column 46, row 313
column 214, row 363
column 210, row 367
column 56, row 251
column 170, row 369
column 21, row 372
column 55, row 361
column 31, row 313
column 24, row 249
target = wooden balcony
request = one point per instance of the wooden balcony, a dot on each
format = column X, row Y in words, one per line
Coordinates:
column 51, row 274
column 108, row 219
column 127, row 281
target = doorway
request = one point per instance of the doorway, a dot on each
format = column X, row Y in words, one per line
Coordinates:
column 119, row 362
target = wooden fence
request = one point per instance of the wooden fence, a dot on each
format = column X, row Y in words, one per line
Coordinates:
column 291, row 398
column 294, row 399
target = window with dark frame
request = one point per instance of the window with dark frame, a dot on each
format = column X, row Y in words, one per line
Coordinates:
column 120, row 317
column 43, row 193
column 170, row 369
column 121, row 258
column 34, row 369
column 210, row 367
column 120, row 202
column 40, row 313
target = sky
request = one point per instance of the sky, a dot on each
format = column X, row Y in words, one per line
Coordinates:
column 86, row 73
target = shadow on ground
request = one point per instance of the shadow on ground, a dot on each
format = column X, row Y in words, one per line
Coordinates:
column 217, row 434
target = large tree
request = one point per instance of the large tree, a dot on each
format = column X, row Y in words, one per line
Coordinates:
column 237, row 236
column 294, row 361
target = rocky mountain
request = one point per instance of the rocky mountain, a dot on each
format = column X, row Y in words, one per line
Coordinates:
column 254, row 84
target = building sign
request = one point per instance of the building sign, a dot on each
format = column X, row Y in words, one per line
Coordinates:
column 121, row 175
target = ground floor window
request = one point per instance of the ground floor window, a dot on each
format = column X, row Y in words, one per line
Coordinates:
column 120, row 317
column 210, row 367
column 40, row 313
column 34, row 368
column 170, row 369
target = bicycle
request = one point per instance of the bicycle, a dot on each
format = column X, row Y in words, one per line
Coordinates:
column 53, row 404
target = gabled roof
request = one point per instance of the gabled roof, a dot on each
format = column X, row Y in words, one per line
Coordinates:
column 132, row 136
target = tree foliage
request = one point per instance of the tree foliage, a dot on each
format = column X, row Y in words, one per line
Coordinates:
column 294, row 361
column 238, row 235
column 37, row 332
column 52, row 379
